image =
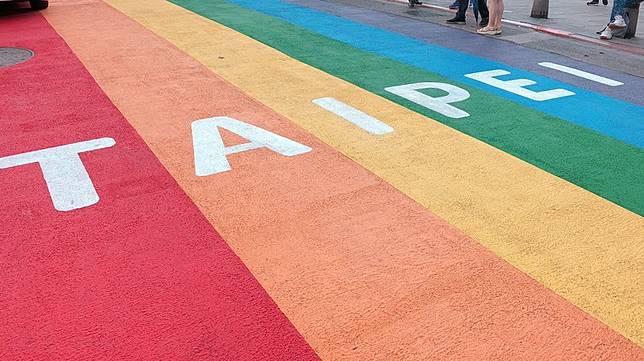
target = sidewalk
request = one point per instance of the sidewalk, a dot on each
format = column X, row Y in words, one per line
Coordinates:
column 567, row 15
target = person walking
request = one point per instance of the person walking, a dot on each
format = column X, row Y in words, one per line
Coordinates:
column 495, row 15
column 459, row 18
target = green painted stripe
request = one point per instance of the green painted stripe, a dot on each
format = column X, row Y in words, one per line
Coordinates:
column 604, row 166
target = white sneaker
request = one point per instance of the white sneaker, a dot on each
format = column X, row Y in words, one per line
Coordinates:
column 618, row 23
column 607, row 34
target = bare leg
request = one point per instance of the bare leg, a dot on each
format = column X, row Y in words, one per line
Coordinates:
column 492, row 9
column 499, row 10
column 495, row 7
column 495, row 20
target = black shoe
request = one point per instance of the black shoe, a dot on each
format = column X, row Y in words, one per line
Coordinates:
column 456, row 20
column 414, row 2
column 484, row 22
column 593, row 2
column 605, row 2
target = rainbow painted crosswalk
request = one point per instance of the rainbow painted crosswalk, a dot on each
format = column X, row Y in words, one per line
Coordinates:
column 289, row 180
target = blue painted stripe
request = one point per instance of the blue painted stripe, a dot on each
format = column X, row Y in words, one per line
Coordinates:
column 606, row 115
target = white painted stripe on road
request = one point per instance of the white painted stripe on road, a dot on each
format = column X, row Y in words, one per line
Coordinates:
column 68, row 182
column 355, row 116
column 581, row 74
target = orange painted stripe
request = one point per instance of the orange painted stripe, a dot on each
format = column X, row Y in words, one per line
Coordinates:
column 361, row 270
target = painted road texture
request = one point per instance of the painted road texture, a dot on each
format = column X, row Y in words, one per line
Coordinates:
column 301, row 180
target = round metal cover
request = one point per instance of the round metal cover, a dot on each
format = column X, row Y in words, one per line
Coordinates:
column 13, row 56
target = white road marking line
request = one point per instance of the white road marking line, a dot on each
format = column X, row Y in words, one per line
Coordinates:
column 581, row 74
column 68, row 182
column 355, row 116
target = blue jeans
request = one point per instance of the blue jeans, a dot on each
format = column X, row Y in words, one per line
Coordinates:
column 618, row 9
column 619, row 5
column 462, row 8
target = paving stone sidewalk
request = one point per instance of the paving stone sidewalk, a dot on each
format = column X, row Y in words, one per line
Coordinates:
column 568, row 15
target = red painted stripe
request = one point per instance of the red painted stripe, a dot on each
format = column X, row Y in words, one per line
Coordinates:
column 140, row 275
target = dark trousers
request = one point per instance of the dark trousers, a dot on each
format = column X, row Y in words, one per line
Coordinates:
column 462, row 8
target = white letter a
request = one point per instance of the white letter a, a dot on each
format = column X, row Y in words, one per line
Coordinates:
column 210, row 151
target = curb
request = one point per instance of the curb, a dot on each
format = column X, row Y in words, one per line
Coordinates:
column 547, row 30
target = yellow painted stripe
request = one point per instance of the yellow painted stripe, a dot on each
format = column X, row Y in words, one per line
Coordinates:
column 583, row 247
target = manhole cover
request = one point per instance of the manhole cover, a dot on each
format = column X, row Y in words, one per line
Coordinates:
column 13, row 56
